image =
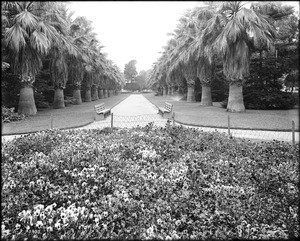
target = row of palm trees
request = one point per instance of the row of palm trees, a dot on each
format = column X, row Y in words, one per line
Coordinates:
column 35, row 31
column 218, row 34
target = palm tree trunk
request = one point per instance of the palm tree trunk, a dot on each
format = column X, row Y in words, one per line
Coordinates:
column 172, row 90
column 26, row 102
column 169, row 90
column 94, row 93
column 191, row 93
column 105, row 94
column 100, row 93
column 235, row 99
column 206, row 96
column 88, row 96
column 180, row 90
column 165, row 91
column 77, row 96
column 59, row 101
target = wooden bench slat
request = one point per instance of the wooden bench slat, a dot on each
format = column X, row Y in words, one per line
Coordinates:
column 167, row 109
column 100, row 109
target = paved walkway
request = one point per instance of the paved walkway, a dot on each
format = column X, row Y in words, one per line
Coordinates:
column 137, row 110
column 134, row 110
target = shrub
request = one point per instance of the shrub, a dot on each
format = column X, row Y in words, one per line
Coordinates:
column 40, row 100
column 267, row 101
column 133, row 86
column 9, row 115
column 10, row 89
column 69, row 100
column 148, row 183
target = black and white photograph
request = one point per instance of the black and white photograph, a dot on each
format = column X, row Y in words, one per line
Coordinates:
column 150, row 120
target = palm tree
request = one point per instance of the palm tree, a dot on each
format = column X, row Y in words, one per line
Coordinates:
column 233, row 33
column 58, row 54
column 87, row 79
column 205, row 70
column 181, row 57
column 80, row 31
column 29, row 37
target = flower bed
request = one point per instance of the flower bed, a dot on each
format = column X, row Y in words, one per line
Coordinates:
column 148, row 183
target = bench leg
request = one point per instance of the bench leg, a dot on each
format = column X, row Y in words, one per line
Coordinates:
column 99, row 117
column 167, row 115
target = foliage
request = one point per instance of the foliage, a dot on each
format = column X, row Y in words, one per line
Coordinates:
column 133, row 86
column 130, row 70
column 219, row 88
column 29, row 36
column 148, row 183
column 262, row 89
column 141, row 79
column 10, row 89
column 269, row 100
column 9, row 115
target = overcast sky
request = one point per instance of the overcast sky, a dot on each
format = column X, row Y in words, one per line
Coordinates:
column 134, row 29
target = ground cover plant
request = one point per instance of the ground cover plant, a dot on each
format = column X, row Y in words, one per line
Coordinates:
column 9, row 115
column 148, row 183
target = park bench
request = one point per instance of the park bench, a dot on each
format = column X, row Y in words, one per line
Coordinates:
column 166, row 111
column 101, row 112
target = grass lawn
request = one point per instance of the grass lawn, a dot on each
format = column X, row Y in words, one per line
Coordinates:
column 185, row 112
column 216, row 116
column 69, row 117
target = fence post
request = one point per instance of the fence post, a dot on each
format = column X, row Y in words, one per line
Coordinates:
column 173, row 118
column 228, row 126
column 51, row 122
column 112, row 120
column 293, row 132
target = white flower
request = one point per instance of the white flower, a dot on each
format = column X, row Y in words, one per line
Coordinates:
column 39, row 207
column 48, row 208
column 150, row 230
column 49, row 229
column 39, row 224
column 5, row 233
column 57, row 225
column 36, row 212
column 42, row 215
column 65, row 220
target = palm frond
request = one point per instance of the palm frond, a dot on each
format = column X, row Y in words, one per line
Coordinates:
column 27, row 20
column 15, row 37
column 40, row 42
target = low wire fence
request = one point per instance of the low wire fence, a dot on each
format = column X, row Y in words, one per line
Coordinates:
column 122, row 121
column 232, row 127
column 130, row 121
column 142, row 120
